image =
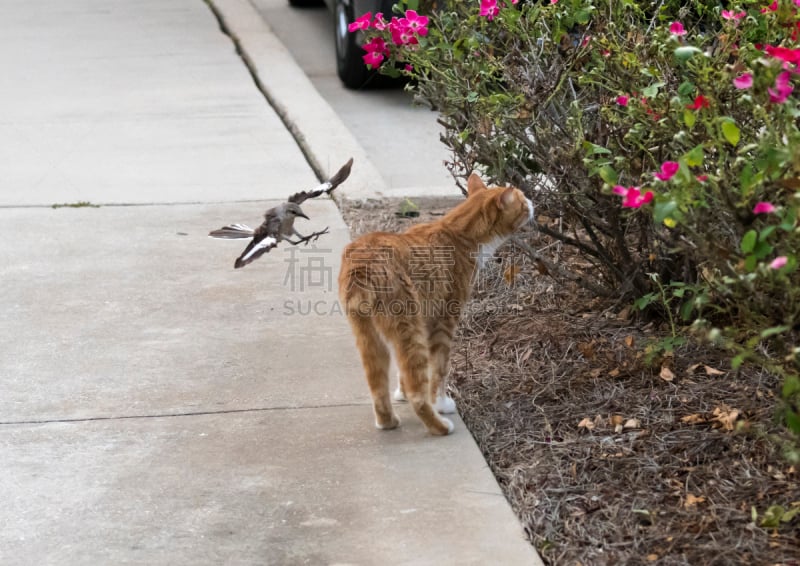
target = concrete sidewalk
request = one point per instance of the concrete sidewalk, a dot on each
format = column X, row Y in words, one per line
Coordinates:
column 157, row 406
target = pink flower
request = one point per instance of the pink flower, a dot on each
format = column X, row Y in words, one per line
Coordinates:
column 785, row 54
column 783, row 88
column 771, row 8
column 743, row 81
column 699, row 103
column 489, row 9
column 361, row 23
column 677, row 29
column 376, row 51
column 730, row 15
column 586, row 41
column 408, row 68
column 668, row 170
column 622, row 100
column 764, row 207
column 402, row 34
column 554, row 1
column 778, row 262
column 702, row 178
column 379, row 24
column 373, row 58
column 417, row 23
column 632, row 197
column 376, row 45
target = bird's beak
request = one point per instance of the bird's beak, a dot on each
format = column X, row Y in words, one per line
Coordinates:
column 303, row 215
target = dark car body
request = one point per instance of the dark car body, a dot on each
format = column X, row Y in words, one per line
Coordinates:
column 349, row 63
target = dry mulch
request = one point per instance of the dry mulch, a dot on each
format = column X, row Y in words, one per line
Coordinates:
column 607, row 454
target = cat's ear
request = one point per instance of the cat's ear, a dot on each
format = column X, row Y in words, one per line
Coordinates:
column 475, row 184
column 506, row 198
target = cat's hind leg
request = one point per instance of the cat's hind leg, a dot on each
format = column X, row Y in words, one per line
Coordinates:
column 440, row 340
column 411, row 347
column 399, row 394
column 376, row 359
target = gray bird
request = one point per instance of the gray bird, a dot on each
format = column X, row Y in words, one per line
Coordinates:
column 278, row 225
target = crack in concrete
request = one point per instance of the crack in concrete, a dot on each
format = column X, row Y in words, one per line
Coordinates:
column 295, row 132
column 180, row 414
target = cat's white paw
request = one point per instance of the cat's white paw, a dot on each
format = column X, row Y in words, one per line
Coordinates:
column 388, row 426
column 449, row 423
column 444, row 405
column 398, row 394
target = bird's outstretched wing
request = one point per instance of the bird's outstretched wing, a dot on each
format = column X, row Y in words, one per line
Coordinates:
column 325, row 188
column 232, row 232
column 265, row 238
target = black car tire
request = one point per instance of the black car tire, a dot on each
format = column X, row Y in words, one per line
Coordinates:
column 350, row 66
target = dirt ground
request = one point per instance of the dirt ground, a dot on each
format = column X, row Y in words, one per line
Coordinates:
column 606, row 455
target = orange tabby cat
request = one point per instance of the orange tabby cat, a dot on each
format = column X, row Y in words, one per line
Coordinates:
column 407, row 290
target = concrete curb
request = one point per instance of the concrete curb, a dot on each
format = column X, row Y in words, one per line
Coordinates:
column 322, row 136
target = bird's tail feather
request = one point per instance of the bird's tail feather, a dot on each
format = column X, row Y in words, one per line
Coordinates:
column 232, row 232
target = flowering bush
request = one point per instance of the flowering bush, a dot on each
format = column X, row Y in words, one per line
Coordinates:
column 684, row 109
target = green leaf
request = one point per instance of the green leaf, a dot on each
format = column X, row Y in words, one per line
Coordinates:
column 608, row 175
column 762, row 250
column 652, row 90
column 695, row 157
column 773, row 331
column 791, row 385
column 644, row 301
column 790, row 514
column 662, row 210
column 748, row 241
column 686, row 52
column 689, row 118
column 737, row 362
column 772, row 516
column 766, row 232
column 472, row 96
column 792, row 420
column 730, row 132
column 594, row 149
column 687, row 309
column 686, row 88
column 750, row 263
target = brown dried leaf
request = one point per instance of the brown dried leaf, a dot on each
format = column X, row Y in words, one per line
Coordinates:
column 511, row 273
column 666, row 374
column 629, row 341
column 587, row 349
column 652, row 557
column 726, row 416
column 617, row 420
column 693, row 419
column 692, row 367
column 632, row 423
column 692, row 500
column 713, row 371
column 586, row 423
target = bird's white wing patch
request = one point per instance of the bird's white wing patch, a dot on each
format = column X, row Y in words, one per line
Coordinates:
column 323, row 187
column 267, row 242
column 242, row 227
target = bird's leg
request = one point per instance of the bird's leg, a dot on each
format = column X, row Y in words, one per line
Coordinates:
column 313, row 237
